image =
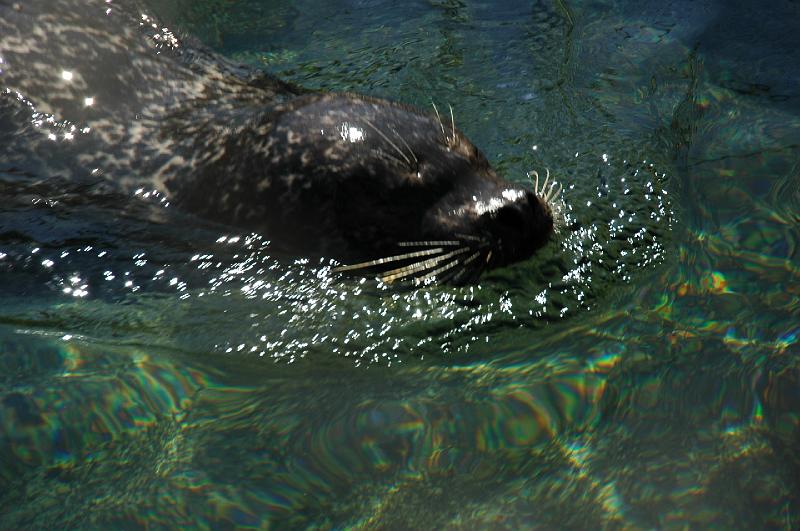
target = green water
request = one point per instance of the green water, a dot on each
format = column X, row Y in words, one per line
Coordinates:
column 640, row 372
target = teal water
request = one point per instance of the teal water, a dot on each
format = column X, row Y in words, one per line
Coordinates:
column 640, row 372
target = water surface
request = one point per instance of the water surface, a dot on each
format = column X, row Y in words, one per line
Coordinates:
column 640, row 372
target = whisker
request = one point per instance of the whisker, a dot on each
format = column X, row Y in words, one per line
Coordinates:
column 450, row 274
column 411, row 151
column 459, row 274
column 547, row 178
column 388, row 156
column 435, row 272
column 405, row 271
column 441, row 124
column 536, row 182
column 470, row 237
column 379, row 261
column 449, row 243
column 400, row 151
column 472, row 257
column 554, row 192
column 453, row 121
column 427, row 263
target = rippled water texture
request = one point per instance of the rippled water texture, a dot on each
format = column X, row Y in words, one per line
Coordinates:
column 639, row 372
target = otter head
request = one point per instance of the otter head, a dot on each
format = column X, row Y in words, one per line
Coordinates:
column 509, row 222
column 495, row 222
column 414, row 198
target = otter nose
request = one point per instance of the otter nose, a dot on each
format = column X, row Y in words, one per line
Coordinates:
column 510, row 217
column 517, row 228
column 516, row 215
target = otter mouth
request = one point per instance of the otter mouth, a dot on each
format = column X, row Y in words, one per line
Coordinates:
column 455, row 261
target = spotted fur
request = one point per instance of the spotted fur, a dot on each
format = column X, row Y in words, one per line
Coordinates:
column 109, row 91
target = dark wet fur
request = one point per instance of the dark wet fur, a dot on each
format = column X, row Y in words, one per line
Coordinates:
column 343, row 176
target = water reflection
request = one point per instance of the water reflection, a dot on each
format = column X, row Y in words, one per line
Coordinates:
column 642, row 368
column 120, row 404
column 304, row 308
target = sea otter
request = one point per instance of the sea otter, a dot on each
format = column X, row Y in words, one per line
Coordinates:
column 379, row 186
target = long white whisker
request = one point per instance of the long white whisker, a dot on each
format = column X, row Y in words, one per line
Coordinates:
column 453, row 121
column 403, row 140
column 536, row 182
column 554, row 192
column 400, row 151
column 472, row 257
column 441, row 124
column 436, row 272
column 471, row 237
column 379, row 261
column 549, row 191
column 450, row 273
column 403, row 272
column 449, row 243
column 387, row 156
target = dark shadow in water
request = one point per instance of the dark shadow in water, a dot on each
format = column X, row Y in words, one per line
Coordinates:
column 752, row 49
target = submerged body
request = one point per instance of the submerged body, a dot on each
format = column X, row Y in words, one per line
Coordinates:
column 365, row 181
